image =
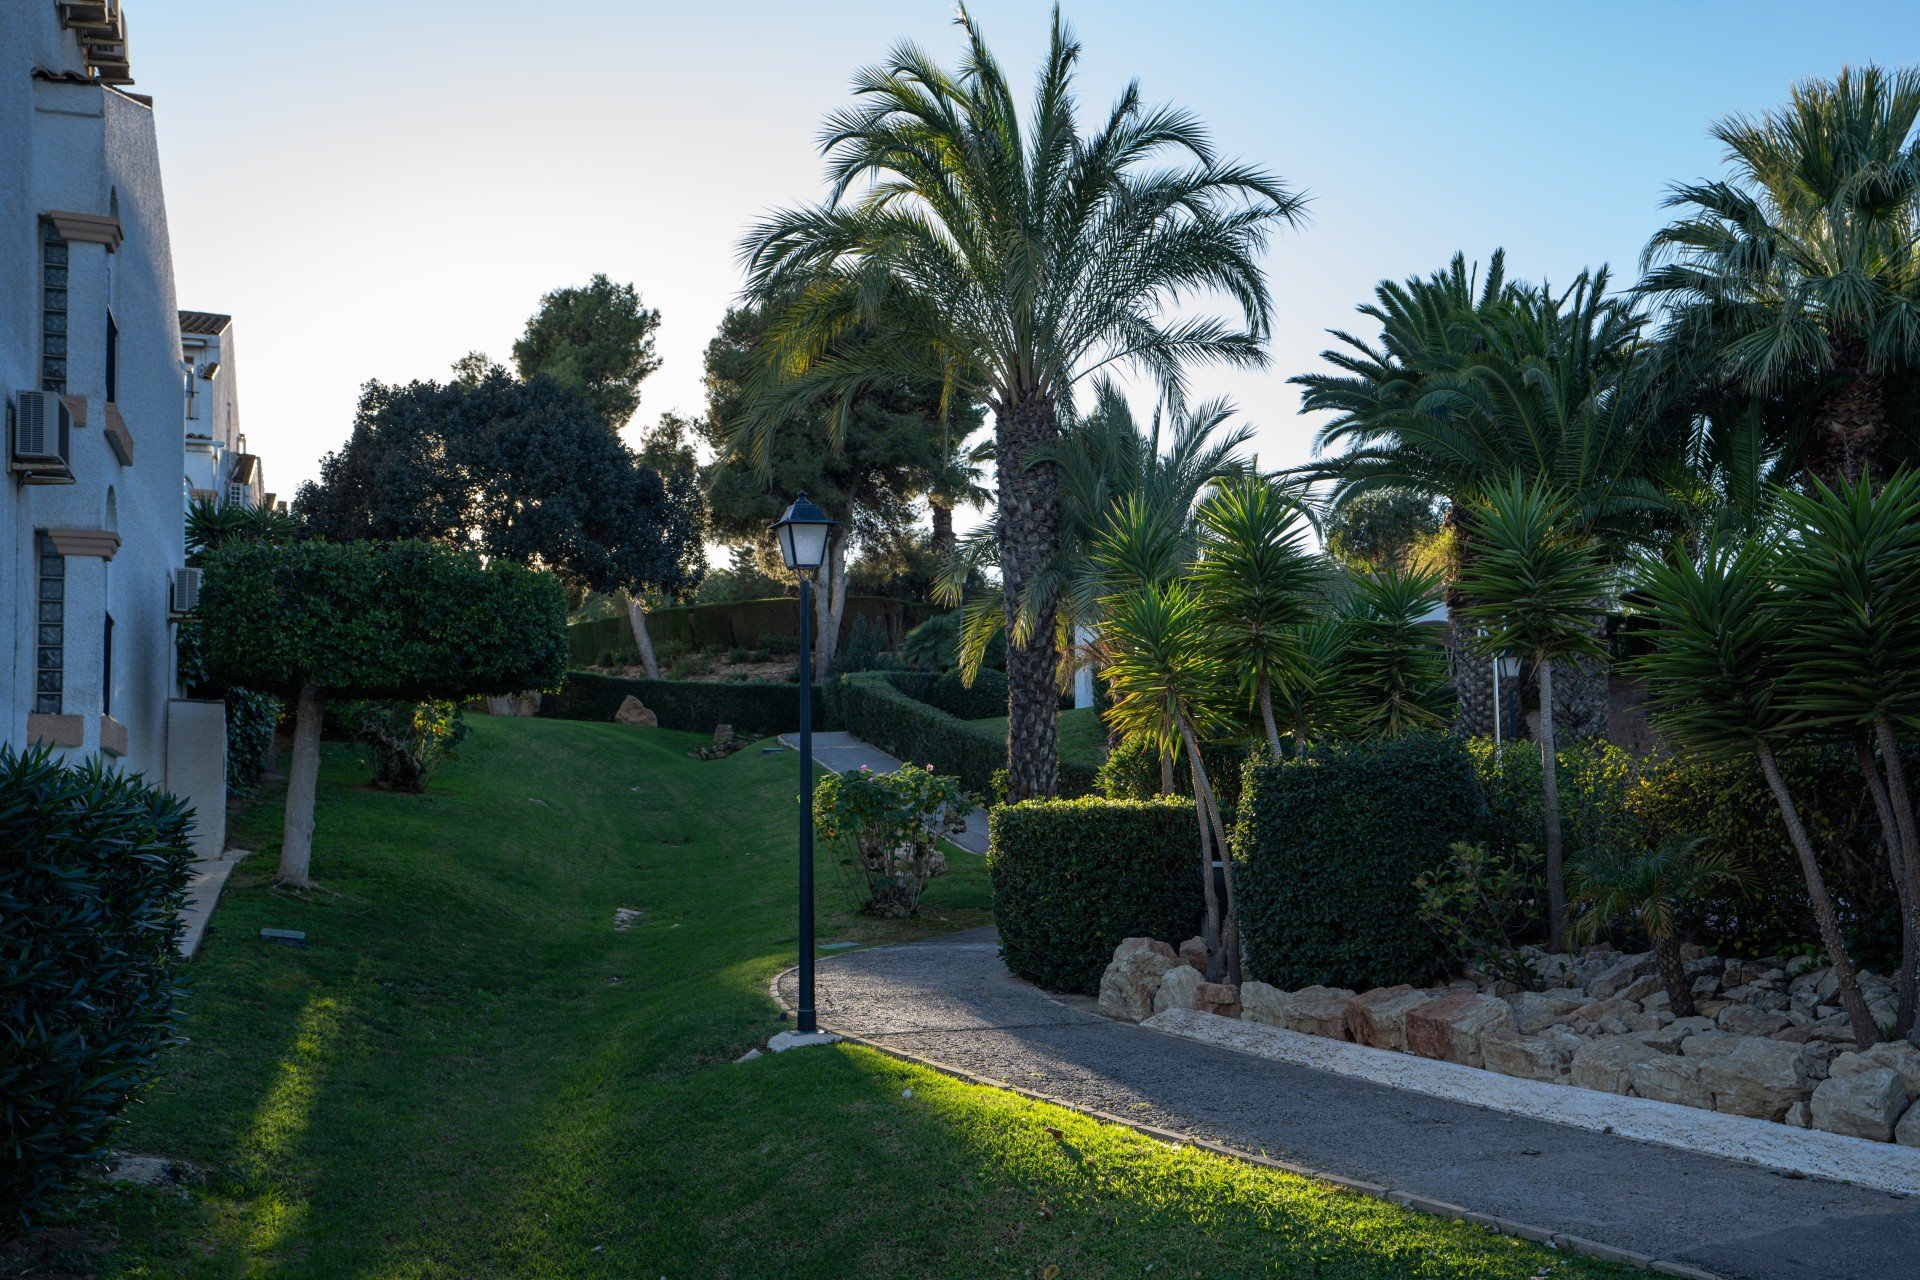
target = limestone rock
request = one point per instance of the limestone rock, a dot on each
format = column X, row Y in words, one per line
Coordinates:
column 1523, row 1056
column 1907, row 1132
column 1263, row 1003
column 1133, row 977
column 1535, row 1011
column 1607, row 1064
column 1620, row 974
column 635, row 712
column 1710, row 1044
column 1797, row 1116
column 1222, row 998
column 1864, row 1104
column 1746, row 1020
column 1759, row 1078
column 1669, row 1038
column 1594, row 1012
column 1450, row 1028
column 1319, row 1011
column 1895, row 1054
column 1670, row 1078
column 1194, row 952
column 1179, row 989
column 1640, row 988
column 1379, row 1017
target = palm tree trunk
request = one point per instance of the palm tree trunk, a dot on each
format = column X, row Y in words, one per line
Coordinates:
column 1864, row 1030
column 303, row 780
column 1852, row 418
column 943, row 540
column 1266, row 714
column 1029, row 533
column 1673, row 974
column 1550, row 816
column 1899, row 858
column 1166, row 774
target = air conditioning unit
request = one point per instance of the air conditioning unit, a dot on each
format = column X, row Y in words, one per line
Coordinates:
column 186, row 591
column 42, row 432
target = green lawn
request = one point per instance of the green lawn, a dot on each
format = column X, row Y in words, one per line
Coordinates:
column 1083, row 738
column 469, row 1073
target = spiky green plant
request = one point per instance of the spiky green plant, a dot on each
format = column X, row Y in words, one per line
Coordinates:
column 1535, row 585
column 1259, row 583
column 1010, row 255
column 1716, row 678
column 1650, row 886
column 1393, row 665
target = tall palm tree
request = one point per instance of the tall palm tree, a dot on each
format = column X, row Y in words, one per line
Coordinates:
column 1535, row 585
column 1803, row 267
column 1010, row 259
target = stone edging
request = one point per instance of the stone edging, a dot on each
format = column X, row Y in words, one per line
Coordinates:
column 1808, row 1152
column 1560, row 1240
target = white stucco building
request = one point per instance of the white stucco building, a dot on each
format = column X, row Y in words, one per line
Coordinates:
column 220, row 468
column 90, row 352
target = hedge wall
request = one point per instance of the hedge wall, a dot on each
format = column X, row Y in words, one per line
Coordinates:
column 755, row 710
column 1326, row 850
column 1071, row 878
column 739, row 625
column 884, row 708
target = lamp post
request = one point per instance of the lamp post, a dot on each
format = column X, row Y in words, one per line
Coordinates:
column 1507, row 666
column 803, row 531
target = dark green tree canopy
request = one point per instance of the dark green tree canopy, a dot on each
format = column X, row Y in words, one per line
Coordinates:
column 521, row 471
column 409, row 620
column 596, row 338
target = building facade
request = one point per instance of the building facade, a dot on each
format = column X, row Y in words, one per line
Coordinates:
column 220, row 469
column 90, row 367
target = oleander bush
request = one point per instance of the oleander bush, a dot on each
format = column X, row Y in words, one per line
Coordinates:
column 1327, row 851
column 1071, row 878
column 754, row 709
column 93, row 866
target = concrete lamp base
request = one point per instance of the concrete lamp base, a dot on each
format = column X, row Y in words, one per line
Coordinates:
column 800, row 1040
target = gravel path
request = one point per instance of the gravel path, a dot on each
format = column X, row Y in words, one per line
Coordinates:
column 838, row 752
column 951, row 1001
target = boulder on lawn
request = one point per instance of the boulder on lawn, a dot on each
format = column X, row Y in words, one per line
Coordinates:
column 1607, row 1064
column 1524, row 1057
column 635, row 712
column 1669, row 1077
column 1864, row 1104
column 1133, row 977
column 1535, row 1011
column 1759, row 1078
column 1450, row 1028
column 1194, row 952
column 1264, row 1003
column 1379, row 1017
column 1179, row 989
column 1319, row 1011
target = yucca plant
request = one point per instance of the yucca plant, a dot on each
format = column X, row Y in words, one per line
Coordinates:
column 1650, row 886
column 1259, row 583
column 1394, row 661
column 1535, row 585
column 1314, row 697
column 1716, row 677
column 1169, row 687
column 1850, row 595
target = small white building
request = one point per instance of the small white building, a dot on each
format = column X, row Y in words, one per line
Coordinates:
column 90, row 370
column 220, row 469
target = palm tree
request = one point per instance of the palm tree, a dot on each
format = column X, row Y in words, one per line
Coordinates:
column 1010, row 260
column 1393, row 663
column 1258, row 581
column 1535, row 586
column 1650, row 886
column 956, row 482
column 1801, row 267
column 1715, row 675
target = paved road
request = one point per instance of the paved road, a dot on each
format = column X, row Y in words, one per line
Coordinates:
column 951, row 1000
column 838, row 752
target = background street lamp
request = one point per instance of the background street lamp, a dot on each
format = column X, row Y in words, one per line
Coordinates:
column 803, row 532
column 1506, row 666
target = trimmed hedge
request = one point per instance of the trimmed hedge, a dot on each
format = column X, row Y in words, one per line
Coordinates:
column 93, row 865
column 1071, row 878
column 738, row 625
column 755, row 710
column 1326, row 850
column 884, row 708
column 985, row 700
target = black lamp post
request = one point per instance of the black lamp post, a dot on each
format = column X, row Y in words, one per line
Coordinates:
column 803, row 532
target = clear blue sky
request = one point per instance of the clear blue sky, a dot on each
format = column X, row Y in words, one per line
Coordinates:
column 374, row 188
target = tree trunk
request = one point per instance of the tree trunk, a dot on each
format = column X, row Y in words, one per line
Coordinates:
column 1851, row 419
column 1550, row 816
column 1266, row 714
column 1900, row 800
column 1210, row 931
column 303, row 778
column 1166, row 775
column 1028, row 517
column 1203, row 796
column 1673, row 974
column 1864, row 1030
column 943, row 540
column 642, row 638
column 830, row 605
column 1898, row 860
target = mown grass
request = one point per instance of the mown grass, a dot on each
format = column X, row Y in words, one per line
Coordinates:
column 469, row 1073
column 1083, row 738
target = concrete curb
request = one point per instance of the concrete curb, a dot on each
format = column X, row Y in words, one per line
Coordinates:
column 1560, row 1240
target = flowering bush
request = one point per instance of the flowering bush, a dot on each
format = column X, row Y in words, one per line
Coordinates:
column 894, row 822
